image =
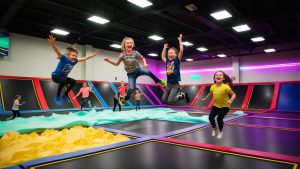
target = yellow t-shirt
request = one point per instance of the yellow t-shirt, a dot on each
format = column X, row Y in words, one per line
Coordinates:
column 220, row 95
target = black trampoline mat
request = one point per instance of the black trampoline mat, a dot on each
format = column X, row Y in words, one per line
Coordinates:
column 269, row 122
column 145, row 90
column 151, row 127
column 261, row 139
column 157, row 91
column 105, row 91
column 261, row 96
column 240, row 92
column 161, row 155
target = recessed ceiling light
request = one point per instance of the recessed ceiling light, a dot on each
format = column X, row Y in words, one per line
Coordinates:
column 155, row 37
column 187, row 43
column 241, row 28
column 189, row 59
column 60, row 32
column 221, row 15
column 258, row 39
column 221, row 55
column 270, row 50
column 141, row 3
column 98, row 19
column 202, row 49
column 115, row 46
column 153, row 54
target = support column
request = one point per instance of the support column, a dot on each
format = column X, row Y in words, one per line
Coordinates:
column 236, row 69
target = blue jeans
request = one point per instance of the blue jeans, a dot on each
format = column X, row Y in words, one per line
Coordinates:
column 137, row 104
column 132, row 79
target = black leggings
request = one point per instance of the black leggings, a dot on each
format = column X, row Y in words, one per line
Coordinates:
column 62, row 82
column 84, row 101
column 116, row 102
column 221, row 113
column 16, row 113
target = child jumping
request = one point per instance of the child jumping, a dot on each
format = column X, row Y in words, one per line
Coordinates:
column 137, row 99
column 15, row 108
column 64, row 67
column 85, row 95
column 131, row 59
column 172, row 92
column 221, row 91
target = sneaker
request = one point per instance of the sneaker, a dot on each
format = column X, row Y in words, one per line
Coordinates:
column 220, row 135
column 187, row 97
column 66, row 98
column 57, row 100
column 163, row 83
column 90, row 104
column 122, row 102
column 213, row 132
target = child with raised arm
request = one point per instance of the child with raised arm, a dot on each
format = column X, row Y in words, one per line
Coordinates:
column 85, row 95
column 15, row 108
column 64, row 67
column 172, row 92
column 137, row 99
column 120, row 95
column 131, row 59
column 220, row 91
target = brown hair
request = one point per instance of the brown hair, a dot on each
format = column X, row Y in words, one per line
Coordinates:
column 227, row 79
column 17, row 96
column 123, row 42
column 70, row 48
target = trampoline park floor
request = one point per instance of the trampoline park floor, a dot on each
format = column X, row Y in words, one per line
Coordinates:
column 164, row 144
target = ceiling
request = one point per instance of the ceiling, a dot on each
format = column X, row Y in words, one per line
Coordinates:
column 277, row 21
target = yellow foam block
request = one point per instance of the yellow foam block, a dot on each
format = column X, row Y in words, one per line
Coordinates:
column 17, row 148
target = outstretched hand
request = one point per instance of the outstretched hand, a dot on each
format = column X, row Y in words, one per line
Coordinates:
column 95, row 53
column 51, row 39
column 146, row 65
column 106, row 59
column 203, row 99
column 180, row 37
column 166, row 45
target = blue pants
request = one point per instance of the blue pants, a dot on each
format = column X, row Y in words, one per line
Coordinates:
column 137, row 104
column 132, row 79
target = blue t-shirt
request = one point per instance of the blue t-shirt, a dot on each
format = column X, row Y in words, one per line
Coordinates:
column 64, row 67
column 173, row 70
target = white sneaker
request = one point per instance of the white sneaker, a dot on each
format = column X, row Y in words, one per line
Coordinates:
column 213, row 132
column 220, row 135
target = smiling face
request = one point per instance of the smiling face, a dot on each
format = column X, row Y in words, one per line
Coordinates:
column 127, row 44
column 84, row 85
column 219, row 77
column 73, row 56
column 172, row 54
column 122, row 83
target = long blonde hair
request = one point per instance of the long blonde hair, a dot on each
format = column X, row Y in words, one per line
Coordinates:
column 123, row 42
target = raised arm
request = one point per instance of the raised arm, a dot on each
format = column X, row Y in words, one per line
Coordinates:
column 207, row 96
column 88, row 57
column 180, row 53
column 51, row 40
column 163, row 53
column 116, row 63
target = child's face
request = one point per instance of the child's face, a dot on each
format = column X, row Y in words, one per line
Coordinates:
column 84, row 85
column 122, row 83
column 73, row 56
column 219, row 77
column 171, row 54
column 19, row 98
column 129, row 44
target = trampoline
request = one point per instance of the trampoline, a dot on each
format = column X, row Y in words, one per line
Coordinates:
column 162, row 155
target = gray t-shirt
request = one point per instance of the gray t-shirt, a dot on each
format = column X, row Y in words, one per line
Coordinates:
column 15, row 105
column 131, row 62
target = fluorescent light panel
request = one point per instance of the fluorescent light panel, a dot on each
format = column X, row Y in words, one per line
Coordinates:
column 221, row 55
column 270, row 50
column 98, row 19
column 202, row 49
column 258, row 39
column 115, row 46
column 60, row 32
column 141, row 3
column 189, row 59
column 241, row 28
column 155, row 37
column 153, row 54
column 186, row 43
column 221, row 15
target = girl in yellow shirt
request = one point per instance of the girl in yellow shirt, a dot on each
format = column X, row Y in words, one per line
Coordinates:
column 221, row 92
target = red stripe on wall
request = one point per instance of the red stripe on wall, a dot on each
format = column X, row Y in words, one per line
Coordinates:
column 40, row 94
column 75, row 101
column 247, row 96
column 211, row 102
column 275, row 96
column 198, row 95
